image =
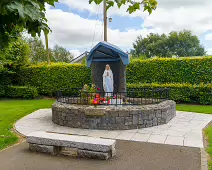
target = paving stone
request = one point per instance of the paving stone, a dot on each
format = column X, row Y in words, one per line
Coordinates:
column 140, row 137
column 157, row 139
column 111, row 134
column 173, row 140
column 97, row 133
column 193, row 142
column 125, row 136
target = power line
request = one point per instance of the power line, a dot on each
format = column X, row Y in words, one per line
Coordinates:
column 97, row 17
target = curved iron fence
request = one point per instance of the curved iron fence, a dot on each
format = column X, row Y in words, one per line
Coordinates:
column 136, row 96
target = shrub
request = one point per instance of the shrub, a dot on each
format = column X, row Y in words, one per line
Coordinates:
column 186, row 93
column 21, row 92
column 6, row 77
column 163, row 70
column 17, row 53
column 50, row 78
column 2, row 91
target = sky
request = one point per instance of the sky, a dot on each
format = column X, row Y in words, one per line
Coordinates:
column 78, row 25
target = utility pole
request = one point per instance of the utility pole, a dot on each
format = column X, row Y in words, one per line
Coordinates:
column 105, row 20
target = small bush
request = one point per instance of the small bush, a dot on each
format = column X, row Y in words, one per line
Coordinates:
column 2, row 91
column 185, row 93
column 21, row 92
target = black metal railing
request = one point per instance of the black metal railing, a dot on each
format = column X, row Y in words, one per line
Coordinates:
column 136, row 96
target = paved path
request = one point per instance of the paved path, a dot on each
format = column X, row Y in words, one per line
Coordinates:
column 130, row 155
column 184, row 130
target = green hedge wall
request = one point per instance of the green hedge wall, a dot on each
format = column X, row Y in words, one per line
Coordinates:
column 21, row 92
column 165, row 70
column 2, row 91
column 183, row 93
column 6, row 77
column 50, row 78
column 180, row 74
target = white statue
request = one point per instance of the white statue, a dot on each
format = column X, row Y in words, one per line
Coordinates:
column 108, row 81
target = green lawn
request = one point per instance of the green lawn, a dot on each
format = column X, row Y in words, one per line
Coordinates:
column 11, row 111
column 195, row 108
column 208, row 132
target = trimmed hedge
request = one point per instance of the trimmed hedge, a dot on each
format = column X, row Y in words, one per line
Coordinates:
column 186, row 93
column 6, row 77
column 21, row 92
column 171, row 70
column 50, row 78
column 2, row 91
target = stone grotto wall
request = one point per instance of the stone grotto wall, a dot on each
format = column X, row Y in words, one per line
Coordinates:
column 111, row 117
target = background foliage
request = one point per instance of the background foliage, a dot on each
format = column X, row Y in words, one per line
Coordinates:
column 183, row 70
column 148, row 5
column 190, row 79
column 15, row 16
column 183, row 92
column 180, row 44
column 21, row 92
column 38, row 52
column 50, row 78
column 16, row 54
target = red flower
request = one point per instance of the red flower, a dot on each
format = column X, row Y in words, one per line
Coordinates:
column 103, row 99
column 98, row 89
column 97, row 96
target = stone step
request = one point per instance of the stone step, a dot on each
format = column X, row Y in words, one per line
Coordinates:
column 83, row 146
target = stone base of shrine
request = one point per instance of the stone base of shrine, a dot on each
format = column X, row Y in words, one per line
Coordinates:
column 112, row 117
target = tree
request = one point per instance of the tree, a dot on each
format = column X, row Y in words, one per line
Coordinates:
column 38, row 52
column 15, row 16
column 16, row 54
column 60, row 54
column 179, row 44
column 148, row 5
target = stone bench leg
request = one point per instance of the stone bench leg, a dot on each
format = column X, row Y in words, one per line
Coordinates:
column 74, row 152
column 53, row 150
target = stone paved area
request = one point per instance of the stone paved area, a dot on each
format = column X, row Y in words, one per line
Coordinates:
column 183, row 130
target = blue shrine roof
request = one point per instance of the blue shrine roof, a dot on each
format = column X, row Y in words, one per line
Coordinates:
column 106, row 52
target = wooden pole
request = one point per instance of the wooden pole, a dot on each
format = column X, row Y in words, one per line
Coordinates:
column 105, row 20
column 47, row 47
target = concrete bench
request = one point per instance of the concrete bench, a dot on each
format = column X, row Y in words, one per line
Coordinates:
column 71, row 145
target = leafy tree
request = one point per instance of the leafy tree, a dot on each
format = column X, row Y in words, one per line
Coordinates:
column 16, row 54
column 15, row 16
column 180, row 44
column 148, row 5
column 38, row 52
column 60, row 54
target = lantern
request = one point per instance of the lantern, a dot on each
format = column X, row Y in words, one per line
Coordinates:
column 110, row 19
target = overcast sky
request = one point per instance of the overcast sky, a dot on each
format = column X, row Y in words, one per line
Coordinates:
column 78, row 26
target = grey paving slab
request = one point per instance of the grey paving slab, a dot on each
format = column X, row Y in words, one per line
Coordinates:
column 186, row 126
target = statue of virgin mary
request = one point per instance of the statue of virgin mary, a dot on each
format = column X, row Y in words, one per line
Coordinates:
column 108, row 81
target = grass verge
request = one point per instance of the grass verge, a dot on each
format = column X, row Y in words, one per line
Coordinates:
column 208, row 133
column 13, row 110
column 195, row 108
